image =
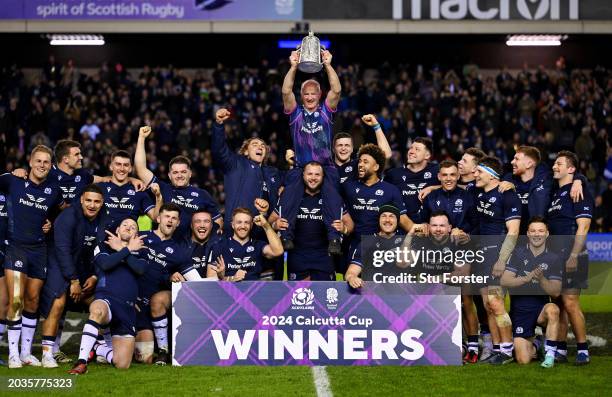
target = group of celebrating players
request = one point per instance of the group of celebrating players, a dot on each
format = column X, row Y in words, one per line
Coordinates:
column 70, row 240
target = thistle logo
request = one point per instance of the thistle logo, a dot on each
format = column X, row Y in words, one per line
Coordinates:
column 302, row 299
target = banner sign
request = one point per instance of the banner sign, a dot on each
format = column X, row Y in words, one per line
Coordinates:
column 313, row 323
column 153, row 9
column 599, row 246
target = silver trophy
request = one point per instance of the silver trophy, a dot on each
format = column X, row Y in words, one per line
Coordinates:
column 310, row 54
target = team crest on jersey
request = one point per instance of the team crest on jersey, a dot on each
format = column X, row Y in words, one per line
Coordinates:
column 321, row 201
column 544, row 266
column 427, row 175
column 492, row 199
column 47, row 190
column 348, row 169
column 195, row 194
column 2, row 198
column 379, row 192
column 77, row 178
column 519, row 330
column 316, row 114
column 458, row 202
column 131, row 192
column 398, row 240
column 250, row 248
column 273, row 179
column 169, row 250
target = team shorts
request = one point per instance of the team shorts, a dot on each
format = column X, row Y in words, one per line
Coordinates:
column 524, row 321
column 123, row 315
column 28, row 259
column 143, row 315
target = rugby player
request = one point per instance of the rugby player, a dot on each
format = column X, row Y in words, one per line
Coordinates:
column 386, row 238
column 499, row 218
column 120, row 261
column 166, row 254
column 30, row 204
column 309, row 260
column 311, row 131
column 573, row 220
column 246, row 177
column 418, row 173
column 121, row 200
column 71, row 276
column 242, row 256
column 533, row 275
column 179, row 191
column 343, row 149
column 3, row 291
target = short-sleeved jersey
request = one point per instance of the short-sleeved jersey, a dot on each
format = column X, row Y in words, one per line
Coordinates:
column 248, row 256
column 348, row 171
column 523, row 262
column 363, row 255
column 563, row 212
column 164, row 258
column 120, row 282
column 310, row 239
column 72, row 186
column 495, row 209
column 364, row 201
column 312, row 134
column 124, row 202
column 201, row 254
column 457, row 203
column 190, row 199
column 28, row 206
column 411, row 183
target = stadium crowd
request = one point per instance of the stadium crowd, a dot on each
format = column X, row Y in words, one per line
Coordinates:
column 234, row 170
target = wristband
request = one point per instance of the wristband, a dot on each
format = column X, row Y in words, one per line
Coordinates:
column 376, row 126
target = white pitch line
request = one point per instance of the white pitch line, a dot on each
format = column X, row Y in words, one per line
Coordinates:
column 321, row 381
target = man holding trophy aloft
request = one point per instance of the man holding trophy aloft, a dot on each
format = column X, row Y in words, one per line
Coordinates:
column 311, row 129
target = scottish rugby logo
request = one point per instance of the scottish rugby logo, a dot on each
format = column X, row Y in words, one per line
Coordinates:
column 302, row 299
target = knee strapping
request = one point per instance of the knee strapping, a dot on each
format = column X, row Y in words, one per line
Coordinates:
column 503, row 320
column 143, row 351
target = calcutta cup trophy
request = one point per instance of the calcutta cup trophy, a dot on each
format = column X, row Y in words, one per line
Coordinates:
column 310, row 54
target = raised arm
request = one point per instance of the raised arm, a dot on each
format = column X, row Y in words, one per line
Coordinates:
column 381, row 139
column 289, row 102
column 220, row 151
column 140, row 158
column 333, row 96
column 274, row 247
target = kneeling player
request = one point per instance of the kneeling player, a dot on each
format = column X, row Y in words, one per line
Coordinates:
column 533, row 274
column 120, row 261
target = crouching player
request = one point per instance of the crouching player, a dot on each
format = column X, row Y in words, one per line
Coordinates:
column 533, row 274
column 166, row 254
column 120, row 261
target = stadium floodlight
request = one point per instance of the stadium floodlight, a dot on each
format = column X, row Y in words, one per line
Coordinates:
column 535, row 40
column 76, row 39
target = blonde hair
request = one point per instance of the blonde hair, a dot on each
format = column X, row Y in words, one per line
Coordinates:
column 310, row 82
column 244, row 149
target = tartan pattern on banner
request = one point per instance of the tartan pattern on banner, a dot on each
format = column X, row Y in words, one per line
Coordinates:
column 201, row 307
